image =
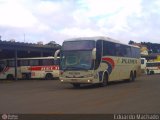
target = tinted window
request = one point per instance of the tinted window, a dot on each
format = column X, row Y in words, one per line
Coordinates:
column 128, row 51
column 108, row 48
column 142, row 61
column 78, row 45
column 24, row 63
column 57, row 62
column 34, row 62
column 124, row 50
column 119, row 50
column 48, row 62
column 11, row 63
column 135, row 52
column 152, row 64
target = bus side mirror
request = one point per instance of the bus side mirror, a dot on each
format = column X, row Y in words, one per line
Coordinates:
column 94, row 54
column 56, row 54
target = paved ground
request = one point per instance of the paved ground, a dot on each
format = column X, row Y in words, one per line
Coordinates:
column 39, row 96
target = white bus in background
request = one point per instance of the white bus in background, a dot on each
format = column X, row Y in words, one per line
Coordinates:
column 39, row 68
column 7, row 69
column 153, row 67
column 30, row 68
column 143, row 65
column 91, row 60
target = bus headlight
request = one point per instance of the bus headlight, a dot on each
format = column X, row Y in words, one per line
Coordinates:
column 89, row 80
column 61, row 80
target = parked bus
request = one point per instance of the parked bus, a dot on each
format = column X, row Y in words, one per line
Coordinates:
column 143, row 65
column 43, row 68
column 97, row 60
column 153, row 67
column 30, row 68
column 7, row 69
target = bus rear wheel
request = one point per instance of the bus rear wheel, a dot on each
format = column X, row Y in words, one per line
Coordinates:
column 132, row 77
column 49, row 77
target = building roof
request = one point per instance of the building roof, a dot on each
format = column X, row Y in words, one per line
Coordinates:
column 11, row 45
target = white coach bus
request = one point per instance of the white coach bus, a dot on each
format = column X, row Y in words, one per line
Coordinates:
column 153, row 67
column 30, row 68
column 97, row 60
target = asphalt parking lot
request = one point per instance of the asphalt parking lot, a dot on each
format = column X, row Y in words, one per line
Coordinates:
column 50, row 96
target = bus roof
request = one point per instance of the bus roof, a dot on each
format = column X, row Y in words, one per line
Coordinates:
column 98, row 38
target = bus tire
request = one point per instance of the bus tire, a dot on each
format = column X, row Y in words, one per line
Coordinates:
column 26, row 76
column 76, row 85
column 132, row 77
column 48, row 76
column 105, row 80
column 10, row 77
column 148, row 73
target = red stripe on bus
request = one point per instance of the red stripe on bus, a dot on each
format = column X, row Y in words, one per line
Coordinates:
column 42, row 68
column 4, row 70
column 111, row 61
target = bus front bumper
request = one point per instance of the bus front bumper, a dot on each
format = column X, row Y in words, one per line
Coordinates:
column 89, row 80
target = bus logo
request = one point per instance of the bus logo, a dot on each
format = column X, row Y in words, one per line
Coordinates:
column 110, row 63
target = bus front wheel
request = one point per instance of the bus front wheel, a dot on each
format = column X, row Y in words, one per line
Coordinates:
column 48, row 77
column 10, row 77
column 105, row 80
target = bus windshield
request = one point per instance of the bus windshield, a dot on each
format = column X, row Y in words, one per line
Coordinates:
column 78, row 45
column 76, row 60
column 153, row 64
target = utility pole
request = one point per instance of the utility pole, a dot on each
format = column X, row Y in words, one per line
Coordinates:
column 24, row 37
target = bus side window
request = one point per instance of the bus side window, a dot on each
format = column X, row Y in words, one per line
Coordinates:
column 119, row 51
column 135, row 52
column 46, row 62
column 23, row 62
column 108, row 48
column 128, row 49
column 10, row 63
column 34, row 62
column 142, row 61
column 57, row 62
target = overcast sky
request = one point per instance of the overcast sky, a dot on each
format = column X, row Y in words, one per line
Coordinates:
column 56, row 20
